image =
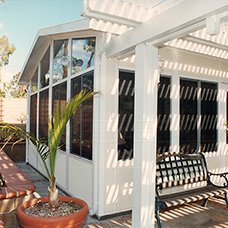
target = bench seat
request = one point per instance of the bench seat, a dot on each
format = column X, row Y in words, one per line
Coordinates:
column 190, row 196
column 179, row 169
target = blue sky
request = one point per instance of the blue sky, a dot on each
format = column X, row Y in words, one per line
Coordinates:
column 20, row 21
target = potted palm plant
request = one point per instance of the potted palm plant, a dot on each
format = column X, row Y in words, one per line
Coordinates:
column 47, row 152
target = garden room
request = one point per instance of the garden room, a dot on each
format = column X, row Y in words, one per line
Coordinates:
column 160, row 92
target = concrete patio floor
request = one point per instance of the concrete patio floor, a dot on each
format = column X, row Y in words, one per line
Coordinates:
column 215, row 215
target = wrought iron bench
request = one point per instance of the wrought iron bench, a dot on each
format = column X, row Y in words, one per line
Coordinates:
column 175, row 169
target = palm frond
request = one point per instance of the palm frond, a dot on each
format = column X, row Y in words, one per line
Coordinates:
column 56, row 126
column 59, row 122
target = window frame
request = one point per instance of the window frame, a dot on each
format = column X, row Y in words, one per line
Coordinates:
column 47, row 55
column 33, row 114
column 58, row 90
column 80, row 154
column 45, row 111
column 46, row 67
column 199, row 113
column 123, row 143
column 165, row 77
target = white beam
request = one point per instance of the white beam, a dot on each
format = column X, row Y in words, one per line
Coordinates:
column 184, row 15
column 186, row 30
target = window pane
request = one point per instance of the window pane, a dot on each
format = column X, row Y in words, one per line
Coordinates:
column 163, row 128
column 59, row 100
column 61, row 64
column 82, row 120
column 83, row 51
column 126, row 116
column 188, row 116
column 76, row 120
column 45, row 69
column 33, row 114
column 34, row 81
column 43, row 114
column 208, row 117
column 87, row 119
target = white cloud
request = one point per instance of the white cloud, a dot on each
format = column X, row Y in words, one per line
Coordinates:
column 1, row 26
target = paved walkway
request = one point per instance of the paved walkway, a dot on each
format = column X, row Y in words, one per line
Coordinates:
column 215, row 215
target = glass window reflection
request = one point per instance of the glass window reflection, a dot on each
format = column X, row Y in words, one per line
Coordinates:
column 34, row 81
column 126, row 115
column 45, row 69
column 83, row 51
column 61, row 60
column 82, row 120
column 33, row 114
column 43, row 114
column 59, row 101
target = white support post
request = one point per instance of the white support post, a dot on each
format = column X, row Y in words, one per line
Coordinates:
column 105, row 105
column 222, row 109
column 51, row 79
column 28, row 116
column 175, row 105
column 145, row 136
column 68, row 96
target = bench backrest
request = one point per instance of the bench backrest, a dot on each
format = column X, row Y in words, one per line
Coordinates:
column 175, row 169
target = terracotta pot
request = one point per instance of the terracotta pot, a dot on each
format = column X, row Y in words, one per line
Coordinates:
column 74, row 220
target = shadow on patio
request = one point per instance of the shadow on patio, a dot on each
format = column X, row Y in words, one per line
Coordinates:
column 195, row 216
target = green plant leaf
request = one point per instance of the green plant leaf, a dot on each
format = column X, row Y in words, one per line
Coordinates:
column 56, row 126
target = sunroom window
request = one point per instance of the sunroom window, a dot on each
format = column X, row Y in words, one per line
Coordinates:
column 198, row 116
column 83, row 51
column 59, row 100
column 126, row 115
column 34, row 81
column 61, row 60
column 188, row 116
column 43, row 114
column 163, row 116
column 82, row 120
column 45, row 69
column 208, row 117
column 33, row 114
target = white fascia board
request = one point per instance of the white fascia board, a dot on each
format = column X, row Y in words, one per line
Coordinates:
column 35, row 54
column 41, row 42
column 187, row 15
column 73, row 26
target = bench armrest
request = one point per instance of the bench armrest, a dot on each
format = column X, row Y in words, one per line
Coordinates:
column 223, row 177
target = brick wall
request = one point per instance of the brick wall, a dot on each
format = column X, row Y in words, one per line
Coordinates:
column 17, row 152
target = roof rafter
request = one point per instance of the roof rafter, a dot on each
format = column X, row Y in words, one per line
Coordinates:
column 193, row 17
column 199, row 46
column 206, row 42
